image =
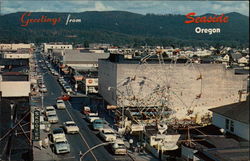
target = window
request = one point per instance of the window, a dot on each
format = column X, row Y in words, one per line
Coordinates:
column 227, row 124
column 231, row 126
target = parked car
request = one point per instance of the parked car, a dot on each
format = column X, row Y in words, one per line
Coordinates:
column 92, row 116
column 70, row 127
column 60, row 104
column 98, row 124
column 43, row 89
column 108, row 134
column 68, row 88
column 61, row 146
column 86, row 110
column 52, row 118
column 118, row 147
column 56, row 73
column 50, row 109
column 58, row 133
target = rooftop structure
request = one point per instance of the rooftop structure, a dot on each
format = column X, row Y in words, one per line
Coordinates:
column 233, row 118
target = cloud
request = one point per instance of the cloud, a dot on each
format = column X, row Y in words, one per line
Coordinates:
column 99, row 6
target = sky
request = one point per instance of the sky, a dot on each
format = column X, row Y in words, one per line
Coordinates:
column 139, row 6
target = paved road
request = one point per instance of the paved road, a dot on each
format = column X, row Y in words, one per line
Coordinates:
column 86, row 138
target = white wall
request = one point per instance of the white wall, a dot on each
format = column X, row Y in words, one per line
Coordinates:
column 49, row 46
column 17, row 56
column 218, row 86
column 14, row 46
column 15, row 88
column 240, row 129
column 107, row 78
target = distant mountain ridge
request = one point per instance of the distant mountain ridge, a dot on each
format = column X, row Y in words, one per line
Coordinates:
column 122, row 27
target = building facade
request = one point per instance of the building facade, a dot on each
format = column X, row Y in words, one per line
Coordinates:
column 196, row 87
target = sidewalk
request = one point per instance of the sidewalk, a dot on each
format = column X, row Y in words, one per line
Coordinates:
column 143, row 156
column 43, row 154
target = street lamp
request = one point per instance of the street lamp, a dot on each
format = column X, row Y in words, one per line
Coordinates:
column 12, row 113
column 96, row 146
column 131, row 144
column 42, row 87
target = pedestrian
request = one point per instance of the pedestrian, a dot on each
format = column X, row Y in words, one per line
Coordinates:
column 46, row 142
column 40, row 144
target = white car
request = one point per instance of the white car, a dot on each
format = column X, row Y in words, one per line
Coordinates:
column 43, row 89
column 52, row 118
column 68, row 88
column 61, row 145
column 56, row 73
column 92, row 117
column 58, row 133
column 60, row 104
column 50, row 109
column 118, row 147
column 70, row 127
column 108, row 134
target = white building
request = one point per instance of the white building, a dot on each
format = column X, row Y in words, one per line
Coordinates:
column 243, row 60
column 14, row 46
column 82, row 60
column 226, row 58
column 233, row 118
column 50, row 47
column 16, row 55
column 198, row 88
column 14, row 84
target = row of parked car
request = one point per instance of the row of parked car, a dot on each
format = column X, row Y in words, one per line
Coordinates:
column 65, row 85
column 106, row 133
column 60, row 79
column 50, row 111
column 41, row 85
column 58, row 137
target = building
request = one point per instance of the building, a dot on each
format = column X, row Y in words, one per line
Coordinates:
column 49, row 47
column 14, row 84
column 15, row 90
column 224, row 154
column 195, row 87
column 211, row 143
column 243, row 60
column 20, row 53
column 98, row 46
column 234, row 118
column 14, row 46
column 82, row 60
column 14, row 106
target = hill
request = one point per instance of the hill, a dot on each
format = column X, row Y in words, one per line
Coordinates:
column 119, row 27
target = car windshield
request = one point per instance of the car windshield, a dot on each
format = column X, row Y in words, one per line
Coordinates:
column 109, row 133
column 50, row 109
column 51, row 114
column 121, row 145
column 71, row 124
column 57, row 131
column 59, row 101
column 61, row 142
column 98, row 122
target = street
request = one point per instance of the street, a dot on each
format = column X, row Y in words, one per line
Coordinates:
column 86, row 138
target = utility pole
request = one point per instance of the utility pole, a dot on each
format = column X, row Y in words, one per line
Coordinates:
column 0, row 7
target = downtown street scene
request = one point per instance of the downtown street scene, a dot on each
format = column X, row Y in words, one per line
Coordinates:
column 124, row 81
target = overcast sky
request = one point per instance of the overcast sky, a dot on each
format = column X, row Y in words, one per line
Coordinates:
column 142, row 7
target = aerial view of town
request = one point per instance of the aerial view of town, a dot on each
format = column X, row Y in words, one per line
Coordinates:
column 124, row 80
